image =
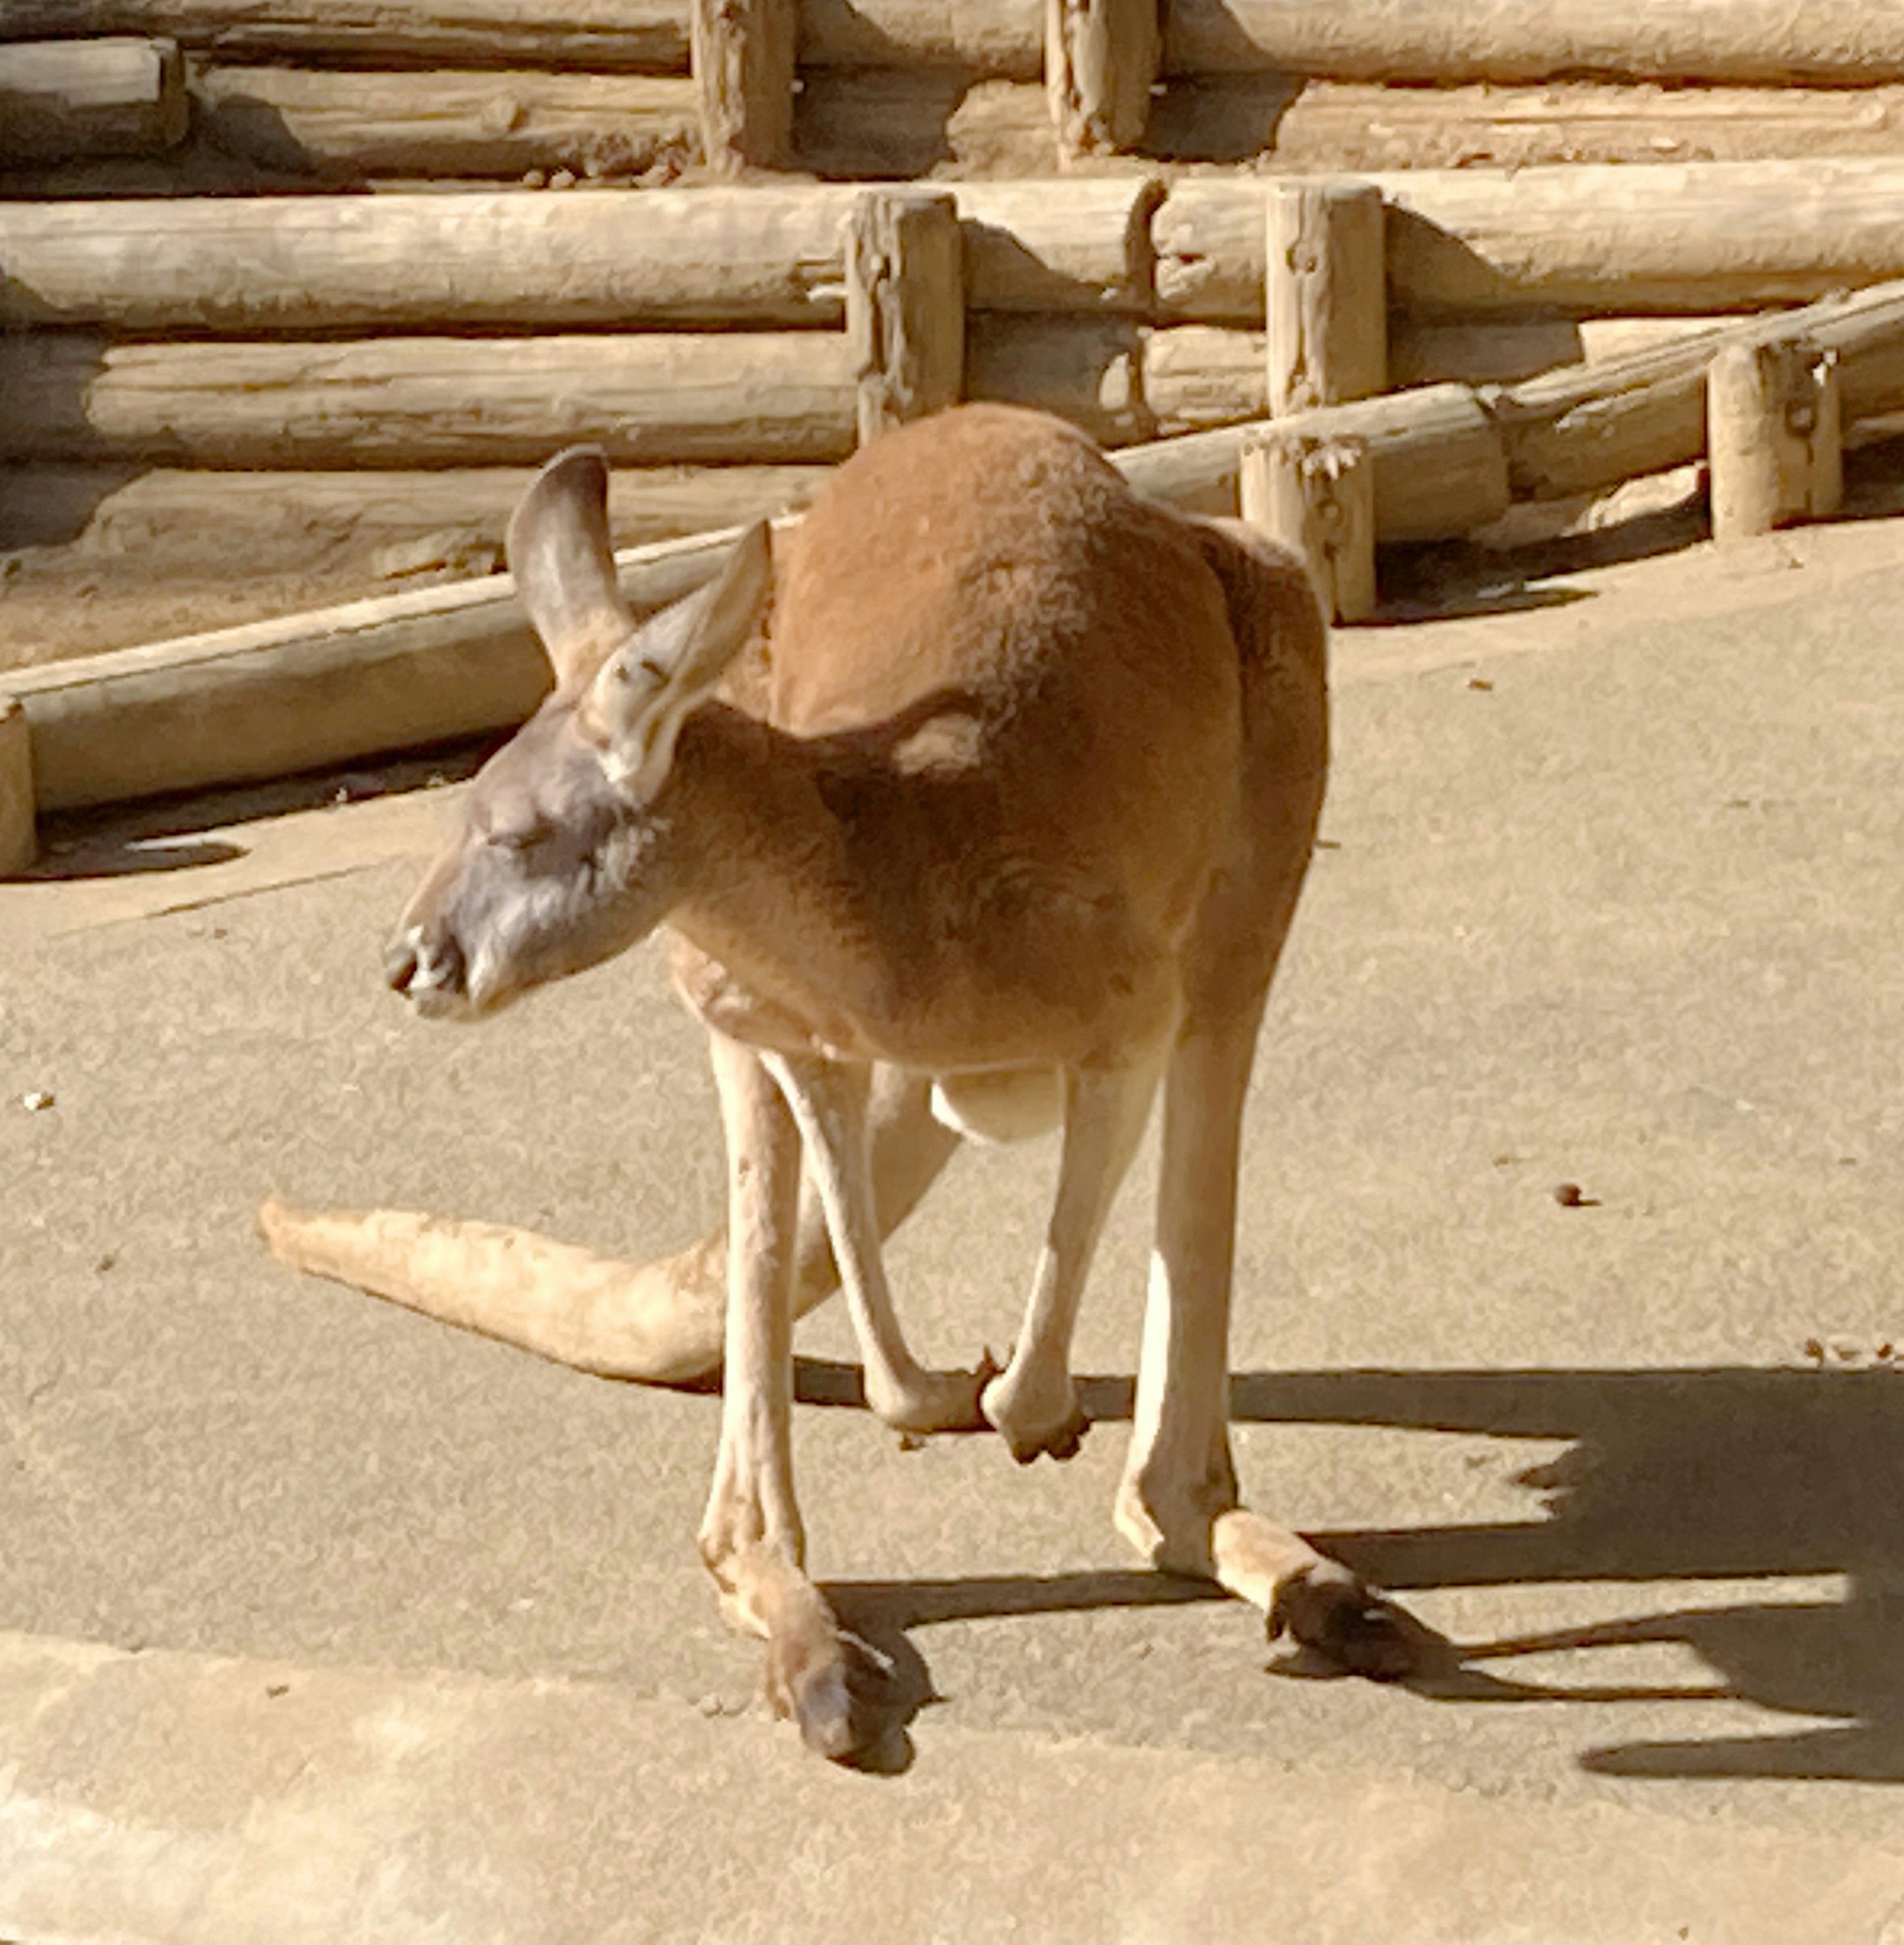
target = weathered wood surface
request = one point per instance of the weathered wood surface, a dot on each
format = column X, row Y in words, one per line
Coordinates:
column 19, row 837
column 1317, row 496
column 1773, row 436
column 293, row 520
column 1504, row 350
column 1750, row 41
column 673, row 399
column 1089, row 370
column 273, row 698
column 350, row 126
column 638, row 35
column 61, row 99
column 1697, row 238
column 904, row 307
column 1581, row 430
column 1326, row 293
column 757, row 256
column 1439, row 465
column 743, row 53
column 1100, row 62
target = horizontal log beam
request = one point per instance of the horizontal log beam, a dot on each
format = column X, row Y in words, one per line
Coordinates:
column 63, row 99
column 1746, row 42
column 273, row 698
column 498, row 258
column 672, row 399
column 1695, row 238
column 649, row 35
column 498, row 125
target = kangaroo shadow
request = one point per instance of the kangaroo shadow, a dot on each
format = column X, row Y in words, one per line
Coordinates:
column 1672, row 1474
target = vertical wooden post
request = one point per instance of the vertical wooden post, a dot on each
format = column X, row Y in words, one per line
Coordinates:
column 905, row 305
column 743, row 52
column 1318, row 495
column 1774, row 436
column 1100, row 60
column 1326, row 293
column 18, row 844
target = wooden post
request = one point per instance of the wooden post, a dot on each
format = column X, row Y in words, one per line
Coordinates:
column 905, row 306
column 743, row 52
column 18, row 845
column 1100, row 60
column 1773, row 428
column 1318, row 495
column 1325, row 294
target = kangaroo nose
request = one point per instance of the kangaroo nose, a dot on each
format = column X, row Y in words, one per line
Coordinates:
column 417, row 966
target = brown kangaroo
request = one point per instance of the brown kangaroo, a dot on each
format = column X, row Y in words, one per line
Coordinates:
column 996, row 820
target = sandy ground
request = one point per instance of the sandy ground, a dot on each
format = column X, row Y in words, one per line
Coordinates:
column 328, row 1622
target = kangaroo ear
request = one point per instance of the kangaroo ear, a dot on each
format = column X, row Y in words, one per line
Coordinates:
column 650, row 685
column 559, row 552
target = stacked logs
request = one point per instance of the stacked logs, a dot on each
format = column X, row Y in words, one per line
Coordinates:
column 391, row 90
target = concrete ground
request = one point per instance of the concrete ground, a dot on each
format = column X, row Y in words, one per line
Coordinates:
column 331, row 1624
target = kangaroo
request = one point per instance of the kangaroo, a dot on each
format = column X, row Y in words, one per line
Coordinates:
column 985, row 810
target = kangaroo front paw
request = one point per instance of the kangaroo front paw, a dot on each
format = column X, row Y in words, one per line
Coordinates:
column 1328, row 1608
column 936, row 1401
column 1031, row 1425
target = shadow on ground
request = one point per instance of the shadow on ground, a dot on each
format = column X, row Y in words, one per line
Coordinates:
column 1708, row 1474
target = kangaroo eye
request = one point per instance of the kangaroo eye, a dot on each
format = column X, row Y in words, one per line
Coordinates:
column 525, row 837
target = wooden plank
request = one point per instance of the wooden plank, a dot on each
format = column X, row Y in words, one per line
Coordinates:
column 63, row 99
column 1696, row 238
column 245, row 265
column 1751, row 42
column 672, row 399
column 353, row 126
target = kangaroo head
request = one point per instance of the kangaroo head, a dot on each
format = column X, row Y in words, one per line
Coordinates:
column 569, row 847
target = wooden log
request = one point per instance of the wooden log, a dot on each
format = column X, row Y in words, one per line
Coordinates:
column 1199, row 376
column 1360, row 127
column 1317, row 495
column 1584, row 429
column 1504, row 350
column 197, row 521
column 757, row 256
column 1439, row 466
column 1745, row 42
column 1691, row 237
column 905, row 307
column 353, row 126
column 624, row 35
column 743, row 52
column 19, row 841
column 673, row 399
column 1773, row 436
column 1001, row 38
column 270, row 698
column 1089, row 370
column 61, row 99
column 1100, row 62
column 1326, row 294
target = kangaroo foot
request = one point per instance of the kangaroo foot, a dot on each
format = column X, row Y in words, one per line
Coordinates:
column 1328, row 1608
column 930, row 1401
column 835, row 1688
column 1036, row 1419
